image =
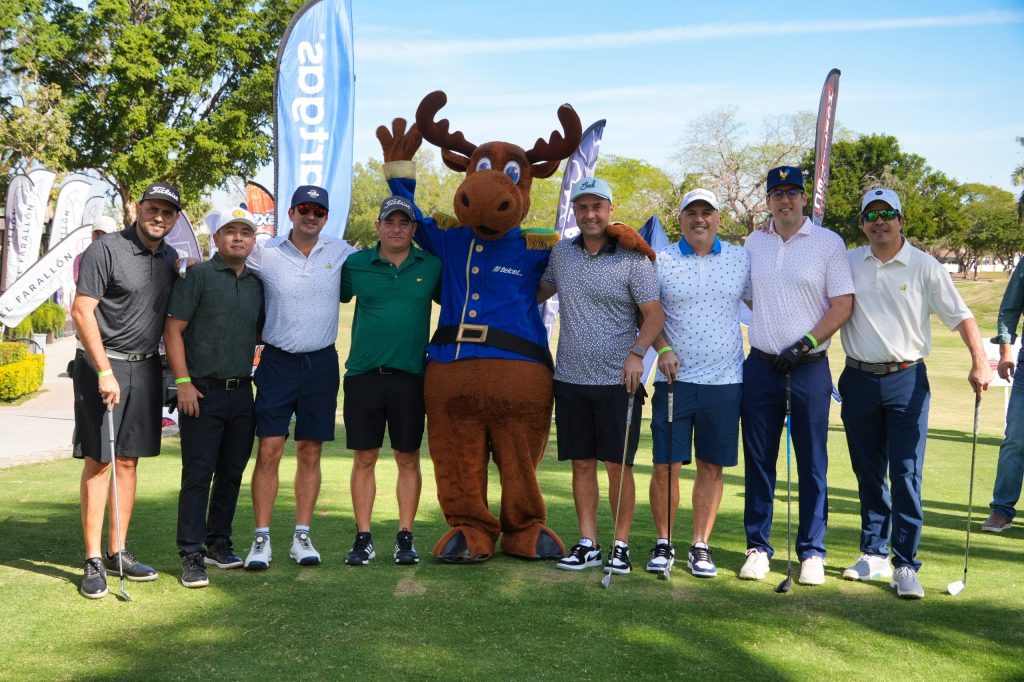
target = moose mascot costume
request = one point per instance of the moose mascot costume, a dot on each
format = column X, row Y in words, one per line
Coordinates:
column 488, row 381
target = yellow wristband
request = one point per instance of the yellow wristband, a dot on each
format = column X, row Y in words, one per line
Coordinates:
column 662, row 351
column 183, row 380
column 814, row 341
column 105, row 373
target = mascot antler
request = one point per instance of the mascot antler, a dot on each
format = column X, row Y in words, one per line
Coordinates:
column 558, row 147
column 436, row 132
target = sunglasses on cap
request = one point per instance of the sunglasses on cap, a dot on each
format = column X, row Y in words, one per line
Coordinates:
column 305, row 209
column 792, row 193
column 884, row 214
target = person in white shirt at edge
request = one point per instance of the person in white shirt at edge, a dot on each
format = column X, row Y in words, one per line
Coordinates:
column 700, row 354
column 298, row 372
column 885, row 387
column 802, row 293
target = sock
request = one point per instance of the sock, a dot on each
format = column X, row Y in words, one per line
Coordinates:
column 701, row 544
column 661, row 541
column 586, row 542
column 299, row 528
column 264, row 531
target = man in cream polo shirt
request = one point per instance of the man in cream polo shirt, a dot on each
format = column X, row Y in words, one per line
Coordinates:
column 885, row 385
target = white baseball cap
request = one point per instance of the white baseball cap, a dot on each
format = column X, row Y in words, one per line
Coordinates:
column 699, row 195
column 236, row 215
column 106, row 224
column 881, row 194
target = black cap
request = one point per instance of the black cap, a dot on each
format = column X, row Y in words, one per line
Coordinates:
column 784, row 175
column 310, row 194
column 396, row 203
column 163, row 191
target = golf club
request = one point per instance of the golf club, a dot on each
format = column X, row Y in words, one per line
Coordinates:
column 117, row 508
column 787, row 583
column 958, row 586
column 667, row 573
column 606, row 581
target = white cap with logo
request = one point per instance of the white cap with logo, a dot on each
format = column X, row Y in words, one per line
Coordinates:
column 236, row 215
column 699, row 195
column 882, row 194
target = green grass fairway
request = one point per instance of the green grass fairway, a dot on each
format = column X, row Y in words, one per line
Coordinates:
column 509, row 619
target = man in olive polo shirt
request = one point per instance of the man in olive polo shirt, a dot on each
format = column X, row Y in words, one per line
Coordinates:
column 213, row 323
column 393, row 284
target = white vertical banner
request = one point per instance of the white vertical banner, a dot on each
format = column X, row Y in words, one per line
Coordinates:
column 42, row 278
column 23, row 215
column 42, row 180
column 69, row 211
column 93, row 210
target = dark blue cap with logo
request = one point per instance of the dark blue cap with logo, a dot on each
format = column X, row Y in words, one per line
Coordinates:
column 784, row 175
column 396, row 203
column 310, row 194
column 162, row 191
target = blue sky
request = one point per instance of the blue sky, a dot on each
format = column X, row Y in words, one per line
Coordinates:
column 945, row 78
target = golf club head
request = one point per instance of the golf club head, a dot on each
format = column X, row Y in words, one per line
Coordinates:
column 665, row 574
column 124, row 595
column 606, row 581
column 956, row 588
column 785, row 586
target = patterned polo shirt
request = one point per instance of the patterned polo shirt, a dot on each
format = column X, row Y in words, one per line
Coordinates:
column 792, row 282
column 598, row 297
column 301, row 292
column 701, row 296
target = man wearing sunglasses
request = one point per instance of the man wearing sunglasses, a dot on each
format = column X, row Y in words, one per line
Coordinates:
column 885, row 385
column 298, row 371
column 802, row 293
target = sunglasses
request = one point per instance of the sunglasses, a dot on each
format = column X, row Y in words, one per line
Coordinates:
column 779, row 193
column 887, row 214
column 318, row 211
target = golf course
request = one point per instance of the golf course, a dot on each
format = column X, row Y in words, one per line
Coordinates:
column 509, row 619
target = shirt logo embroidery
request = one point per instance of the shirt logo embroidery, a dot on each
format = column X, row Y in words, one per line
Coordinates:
column 312, row 193
column 507, row 271
column 328, row 266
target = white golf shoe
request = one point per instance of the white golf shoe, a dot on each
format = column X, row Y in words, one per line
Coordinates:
column 756, row 567
column 869, row 567
column 258, row 558
column 303, row 551
column 812, row 571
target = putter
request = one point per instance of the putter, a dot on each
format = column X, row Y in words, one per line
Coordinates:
column 117, row 509
column 606, row 581
column 787, row 583
column 667, row 573
column 958, row 586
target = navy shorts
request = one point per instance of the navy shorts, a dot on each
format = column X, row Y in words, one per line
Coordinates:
column 705, row 418
column 591, row 422
column 303, row 384
column 374, row 401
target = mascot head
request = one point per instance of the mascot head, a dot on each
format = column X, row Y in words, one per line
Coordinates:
column 495, row 196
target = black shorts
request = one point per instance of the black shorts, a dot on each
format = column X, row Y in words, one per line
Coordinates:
column 303, row 384
column 373, row 400
column 137, row 418
column 591, row 422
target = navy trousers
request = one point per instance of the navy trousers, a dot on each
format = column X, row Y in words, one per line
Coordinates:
column 215, row 447
column 886, row 422
column 763, row 413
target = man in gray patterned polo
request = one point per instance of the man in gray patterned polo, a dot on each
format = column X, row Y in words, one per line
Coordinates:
column 603, row 292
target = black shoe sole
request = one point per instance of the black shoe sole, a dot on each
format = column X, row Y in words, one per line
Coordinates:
column 256, row 566
column 99, row 595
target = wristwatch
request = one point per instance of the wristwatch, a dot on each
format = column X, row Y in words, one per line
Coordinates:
column 639, row 350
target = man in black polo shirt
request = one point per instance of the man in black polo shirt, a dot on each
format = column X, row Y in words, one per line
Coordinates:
column 393, row 284
column 124, row 282
column 213, row 324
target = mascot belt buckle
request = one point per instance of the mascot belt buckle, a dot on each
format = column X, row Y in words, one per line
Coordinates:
column 471, row 333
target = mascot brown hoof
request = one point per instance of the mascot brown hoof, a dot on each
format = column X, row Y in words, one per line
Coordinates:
column 536, row 542
column 547, row 548
column 457, row 548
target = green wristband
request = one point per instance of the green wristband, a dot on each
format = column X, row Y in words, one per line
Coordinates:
column 105, row 373
column 662, row 351
column 814, row 341
column 183, row 380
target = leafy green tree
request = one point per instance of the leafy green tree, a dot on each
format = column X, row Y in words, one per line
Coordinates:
column 157, row 90
column 34, row 128
column 988, row 225
column 1018, row 179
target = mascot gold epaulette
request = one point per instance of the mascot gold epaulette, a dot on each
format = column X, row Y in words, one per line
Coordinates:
column 539, row 238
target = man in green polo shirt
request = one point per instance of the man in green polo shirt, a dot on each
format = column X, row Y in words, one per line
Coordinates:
column 213, row 323
column 393, row 283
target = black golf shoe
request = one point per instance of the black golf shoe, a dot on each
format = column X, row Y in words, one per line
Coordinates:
column 221, row 555
column 362, row 550
column 405, row 553
column 193, row 571
column 94, row 582
column 134, row 569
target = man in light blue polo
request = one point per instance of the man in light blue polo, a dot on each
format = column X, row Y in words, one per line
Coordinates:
column 700, row 360
column 298, row 371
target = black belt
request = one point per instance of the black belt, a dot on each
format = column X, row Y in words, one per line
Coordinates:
column 881, row 367
column 388, row 370
column 805, row 360
column 226, row 384
column 495, row 338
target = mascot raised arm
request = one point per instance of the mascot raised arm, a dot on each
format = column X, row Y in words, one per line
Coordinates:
column 488, row 381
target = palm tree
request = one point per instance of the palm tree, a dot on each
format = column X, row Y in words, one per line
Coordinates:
column 1018, row 179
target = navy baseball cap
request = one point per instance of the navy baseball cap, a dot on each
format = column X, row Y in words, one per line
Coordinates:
column 396, row 203
column 784, row 175
column 163, row 191
column 310, row 194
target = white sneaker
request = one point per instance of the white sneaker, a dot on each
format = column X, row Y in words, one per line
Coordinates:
column 258, row 558
column 756, row 567
column 812, row 571
column 869, row 567
column 303, row 551
column 906, row 583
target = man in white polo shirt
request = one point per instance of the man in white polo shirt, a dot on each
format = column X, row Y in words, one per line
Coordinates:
column 700, row 360
column 802, row 294
column 298, row 371
column 885, row 385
